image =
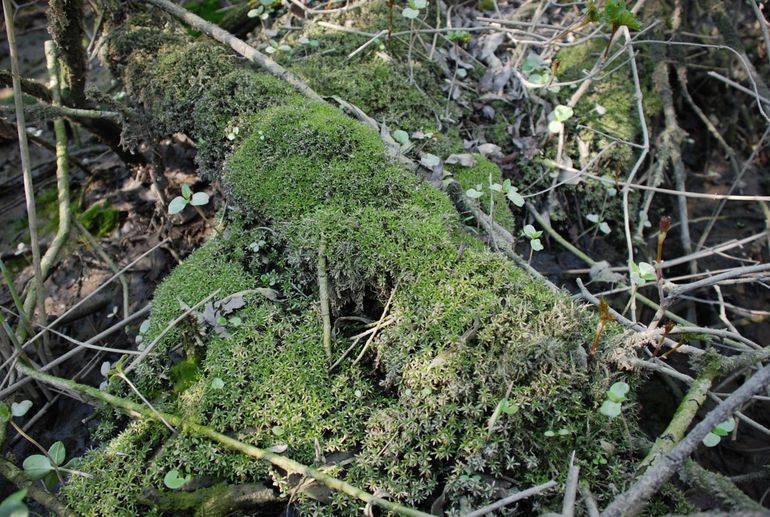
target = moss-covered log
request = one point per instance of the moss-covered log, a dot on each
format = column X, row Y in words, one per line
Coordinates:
column 475, row 381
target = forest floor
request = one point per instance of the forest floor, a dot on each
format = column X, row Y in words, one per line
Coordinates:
column 488, row 91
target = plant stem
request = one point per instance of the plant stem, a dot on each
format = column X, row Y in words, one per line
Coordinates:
column 323, row 293
column 29, row 190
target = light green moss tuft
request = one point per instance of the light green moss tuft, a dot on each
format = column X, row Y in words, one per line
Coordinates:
column 485, row 173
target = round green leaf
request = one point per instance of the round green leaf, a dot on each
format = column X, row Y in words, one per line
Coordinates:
column 177, row 205
column 562, row 113
column 401, row 136
column 57, row 452
column 418, row 4
column 530, row 232
column 20, row 408
column 555, row 126
column 536, row 245
column 711, row 440
column 515, row 198
column 610, row 409
column 217, row 383
column 36, row 466
column 278, row 430
column 549, row 433
column 604, row 228
column 410, row 13
column 174, row 480
column 199, row 198
column 728, row 426
column 473, row 193
column 620, row 389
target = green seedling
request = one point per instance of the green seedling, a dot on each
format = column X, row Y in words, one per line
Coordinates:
column 461, row 37
column 642, row 273
column 600, row 223
column 615, row 14
column 558, row 117
column 616, row 395
column 534, row 240
column 188, row 197
column 715, row 436
column 174, row 480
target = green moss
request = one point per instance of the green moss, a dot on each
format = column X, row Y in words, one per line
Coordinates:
column 184, row 374
column 297, row 158
column 100, row 219
column 415, row 415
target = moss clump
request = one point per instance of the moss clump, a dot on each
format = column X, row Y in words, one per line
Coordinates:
column 299, row 157
column 465, row 333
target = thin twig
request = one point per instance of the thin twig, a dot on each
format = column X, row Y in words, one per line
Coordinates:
column 518, row 496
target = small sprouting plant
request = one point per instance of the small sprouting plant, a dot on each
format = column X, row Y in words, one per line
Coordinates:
column 715, row 436
column 600, row 223
column 534, row 239
column 613, row 404
column 273, row 47
column 174, row 480
column 413, row 9
column 642, row 273
column 188, row 197
column 558, row 117
column 511, row 192
column 615, row 14
column 538, row 72
column 13, row 505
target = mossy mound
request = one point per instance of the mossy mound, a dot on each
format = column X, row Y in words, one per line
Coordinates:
column 474, row 383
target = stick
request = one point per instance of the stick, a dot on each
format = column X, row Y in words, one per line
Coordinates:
column 323, row 294
column 518, row 496
column 238, row 45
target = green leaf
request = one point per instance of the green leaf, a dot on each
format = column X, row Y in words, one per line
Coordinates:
column 199, row 198
column 530, row 232
column 620, row 389
column 508, row 407
column 515, row 198
column 5, row 412
column 562, row 113
column 473, row 193
column 235, row 321
column 594, row 218
column 58, row 453
column 496, row 187
column 217, row 383
column 17, row 496
column 401, row 136
column 418, row 4
column 549, row 434
column 174, row 480
column 186, row 191
column 536, row 245
column 253, row 13
column 604, row 228
column 12, row 508
column 19, row 409
column 555, row 126
column 278, row 430
column 409, row 13
column 724, row 428
column 506, row 185
column 429, row 160
column 711, row 440
column 177, row 205
column 145, row 326
column 37, row 466
column 610, row 409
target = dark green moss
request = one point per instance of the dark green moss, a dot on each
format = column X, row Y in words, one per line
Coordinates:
column 100, row 219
